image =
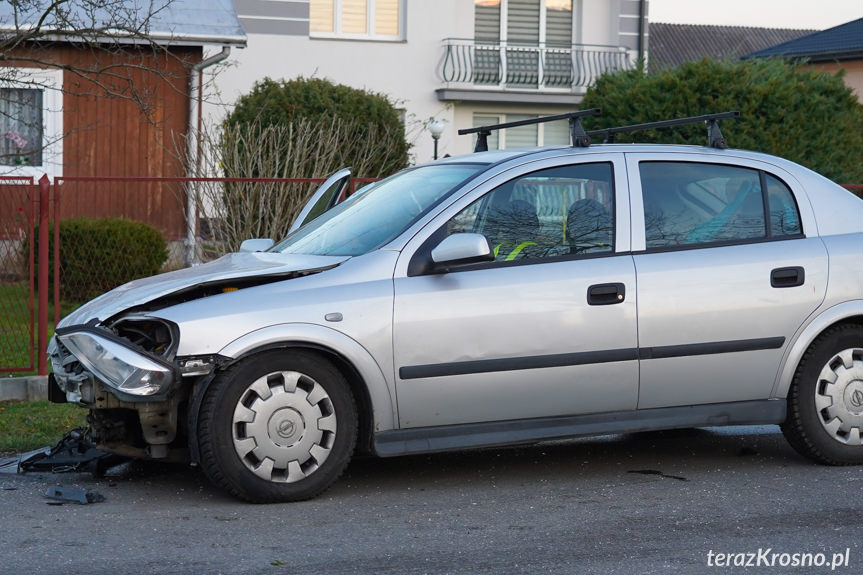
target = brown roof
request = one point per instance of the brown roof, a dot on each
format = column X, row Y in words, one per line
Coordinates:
column 674, row 44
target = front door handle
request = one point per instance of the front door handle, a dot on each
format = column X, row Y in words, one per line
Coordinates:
column 787, row 277
column 606, row 294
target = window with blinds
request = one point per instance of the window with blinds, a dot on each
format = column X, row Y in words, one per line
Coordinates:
column 522, row 136
column 359, row 19
column 556, row 133
column 547, row 134
column 487, row 120
column 355, row 16
column 322, row 16
column 486, row 33
column 486, row 26
column 387, row 18
column 535, row 37
column 523, row 22
column 558, row 23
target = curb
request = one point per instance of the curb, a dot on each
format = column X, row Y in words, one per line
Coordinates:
column 27, row 388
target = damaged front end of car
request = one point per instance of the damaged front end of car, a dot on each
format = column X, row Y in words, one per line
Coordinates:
column 127, row 373
column 115, row 358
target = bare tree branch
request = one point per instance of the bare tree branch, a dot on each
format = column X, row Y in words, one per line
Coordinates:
column 305, row 148
column 115, row 49
column 102, row 29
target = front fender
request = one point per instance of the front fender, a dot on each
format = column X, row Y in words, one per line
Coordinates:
column 380, row 387
column 804, row 338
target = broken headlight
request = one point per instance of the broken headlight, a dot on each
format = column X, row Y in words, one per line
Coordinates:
column 117, row 365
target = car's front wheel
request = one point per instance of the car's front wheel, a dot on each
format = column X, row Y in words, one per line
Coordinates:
column 279, row 426
column 825, row 402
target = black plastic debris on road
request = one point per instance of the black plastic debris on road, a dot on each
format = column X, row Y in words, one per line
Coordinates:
column 60, row 495
column 75, row 452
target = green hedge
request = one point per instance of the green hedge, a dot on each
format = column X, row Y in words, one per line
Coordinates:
column 272, row 103
column 97, row 255
column 789, row 110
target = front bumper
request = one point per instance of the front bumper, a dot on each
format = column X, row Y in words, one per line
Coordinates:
column 105, row 373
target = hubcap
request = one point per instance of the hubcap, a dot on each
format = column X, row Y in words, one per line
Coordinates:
column 839, row 396
column 284, row 426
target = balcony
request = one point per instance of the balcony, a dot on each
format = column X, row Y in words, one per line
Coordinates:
column 474, row 70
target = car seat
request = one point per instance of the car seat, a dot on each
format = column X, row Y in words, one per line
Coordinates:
column 512, row 229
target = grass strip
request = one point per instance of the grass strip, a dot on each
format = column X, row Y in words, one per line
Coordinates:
column 29, row 425
column 15, row 347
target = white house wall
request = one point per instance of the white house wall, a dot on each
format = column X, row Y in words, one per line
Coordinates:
column 279, row 47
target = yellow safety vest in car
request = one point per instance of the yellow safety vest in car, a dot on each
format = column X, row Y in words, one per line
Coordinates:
column 514, row 253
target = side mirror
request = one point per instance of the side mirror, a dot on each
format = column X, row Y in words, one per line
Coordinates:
column 462, row 249
column 256, row 245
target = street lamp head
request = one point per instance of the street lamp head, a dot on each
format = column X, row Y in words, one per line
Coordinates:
column 436, row 128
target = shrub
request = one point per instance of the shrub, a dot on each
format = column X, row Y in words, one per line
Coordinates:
column 790, row 110
column 97, row 255
column 301, row 128
column 266, row 209
column 272, row 103
column 361, row 113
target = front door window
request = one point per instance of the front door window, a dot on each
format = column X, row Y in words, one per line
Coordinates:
column 555, row 212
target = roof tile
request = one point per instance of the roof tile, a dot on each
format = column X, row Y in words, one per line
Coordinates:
column 838, row 43
column 673, row 44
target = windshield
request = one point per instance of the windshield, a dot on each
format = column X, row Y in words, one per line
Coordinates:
column 377, row 214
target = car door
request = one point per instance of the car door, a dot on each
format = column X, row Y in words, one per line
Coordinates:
column 330, row 193
column 728, row 268
column 548, row 328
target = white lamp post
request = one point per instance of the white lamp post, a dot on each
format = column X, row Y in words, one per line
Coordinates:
column 436, row 128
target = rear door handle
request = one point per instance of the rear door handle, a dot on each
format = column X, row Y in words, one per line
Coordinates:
column 606, row 294
column 787, row 277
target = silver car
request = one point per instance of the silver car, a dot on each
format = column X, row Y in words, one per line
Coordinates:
column 498, row 298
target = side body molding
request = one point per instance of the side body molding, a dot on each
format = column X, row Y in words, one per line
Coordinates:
column 804, row 338
column 380, row 388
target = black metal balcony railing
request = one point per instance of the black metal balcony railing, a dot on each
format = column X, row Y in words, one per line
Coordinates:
column 513, row 66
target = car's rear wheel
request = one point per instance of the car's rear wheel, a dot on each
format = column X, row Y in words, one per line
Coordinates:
column 280, row 426
column 825, row 402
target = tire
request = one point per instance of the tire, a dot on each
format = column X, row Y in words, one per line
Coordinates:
column 276, row 427
column 825, row 402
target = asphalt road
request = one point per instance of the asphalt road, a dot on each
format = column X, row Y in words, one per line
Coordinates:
column 645, row 503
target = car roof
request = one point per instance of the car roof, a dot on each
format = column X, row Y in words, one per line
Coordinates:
column 500, row 156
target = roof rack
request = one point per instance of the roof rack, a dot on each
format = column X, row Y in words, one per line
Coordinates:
column 581, row 139
column 714, row 134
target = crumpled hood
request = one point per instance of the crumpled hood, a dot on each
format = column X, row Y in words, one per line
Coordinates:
column 231, row 266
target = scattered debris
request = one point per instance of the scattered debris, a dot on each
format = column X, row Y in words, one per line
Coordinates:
column 655, row 472
column 12, row 464
column 73, row 495
column 75, row 452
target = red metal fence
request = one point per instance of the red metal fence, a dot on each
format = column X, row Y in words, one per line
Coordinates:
column 18, row 204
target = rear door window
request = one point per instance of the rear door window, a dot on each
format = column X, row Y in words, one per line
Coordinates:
column 691, row 203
